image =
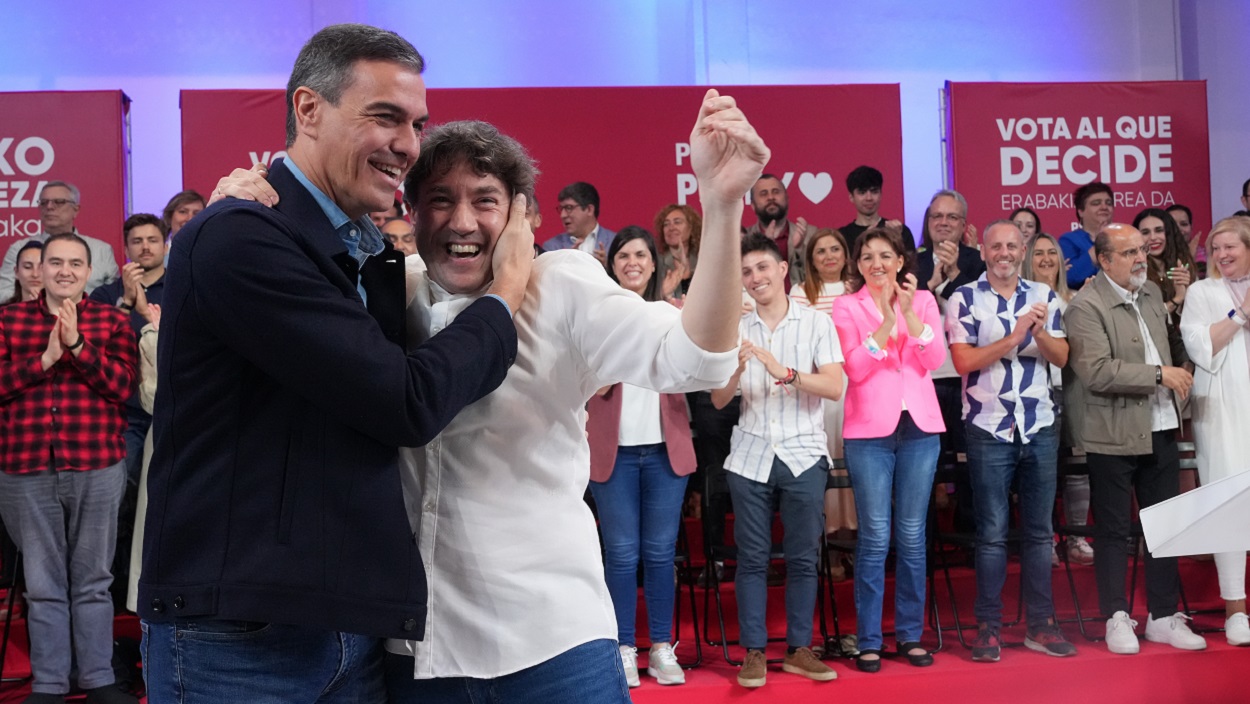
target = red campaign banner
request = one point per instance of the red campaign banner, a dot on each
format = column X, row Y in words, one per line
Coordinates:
column 1032, row 144
column 631, row 143
column 73, row 136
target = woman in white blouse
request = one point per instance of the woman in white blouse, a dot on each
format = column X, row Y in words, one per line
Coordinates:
column 1216, row 328
column 826, row 275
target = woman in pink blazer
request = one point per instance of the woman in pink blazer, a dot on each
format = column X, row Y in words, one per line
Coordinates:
column 640, row 456
column 891, row 337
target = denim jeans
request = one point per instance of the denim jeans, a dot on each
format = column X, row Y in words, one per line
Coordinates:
column 65, row 524
column 993, row 465
column 802, row 501
column 891, row 474
column 639, row 513
column 214, row 661
column 590, row 673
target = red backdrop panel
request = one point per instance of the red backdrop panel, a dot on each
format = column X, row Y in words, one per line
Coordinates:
column 628, row 142
column 73, row 136
column 1033, row 144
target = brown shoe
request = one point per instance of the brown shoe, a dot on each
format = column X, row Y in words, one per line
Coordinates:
column 754, row 669
column 805, row 663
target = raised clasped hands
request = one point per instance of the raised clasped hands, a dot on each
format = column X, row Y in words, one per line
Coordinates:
column 726, row 153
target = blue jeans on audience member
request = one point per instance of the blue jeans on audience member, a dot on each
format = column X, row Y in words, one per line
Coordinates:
column 802, row 501
column 639, row 513
column 993, row 465
column 213, row 661
column 590, row 673
column 891, row 475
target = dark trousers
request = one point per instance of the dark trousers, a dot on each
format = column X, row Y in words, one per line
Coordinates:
column 1155, row 477
column 712, row 430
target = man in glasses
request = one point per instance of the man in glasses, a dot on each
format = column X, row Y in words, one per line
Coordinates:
column 58, row 207
column 578, row 205
column 1123, row 384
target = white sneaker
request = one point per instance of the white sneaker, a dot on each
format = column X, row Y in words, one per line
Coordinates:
column 629, row 658
column 1121, row 639
column 1080, row 551
column 662, row 665
column 1237, row 629
column 1174, row 631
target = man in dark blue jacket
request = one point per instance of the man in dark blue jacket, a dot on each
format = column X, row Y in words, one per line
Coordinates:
column 277, row 549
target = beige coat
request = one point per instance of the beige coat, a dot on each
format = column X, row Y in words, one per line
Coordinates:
column 1108, row 386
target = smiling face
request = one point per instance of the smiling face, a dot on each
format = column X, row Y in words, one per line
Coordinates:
column 829, row 258
column 1230, row 254
column 358, row 151
column 1046, row 260
column 763, row 276
column 1003, row 252
column 879, row 263
column 676, row 229
column 459, row 216
column 64, row 269
column 145, row 245
column 1026, row 223
column 1182, row 222
column 183, row 214
column 633, row 266
column 946, row 220
column 1155, row 234
column 1099, row 209
column 28, row 273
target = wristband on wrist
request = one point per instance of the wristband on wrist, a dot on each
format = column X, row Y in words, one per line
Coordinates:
column 1158, row 376
column 791, row 375
column 1236, row 316
column 76, row 345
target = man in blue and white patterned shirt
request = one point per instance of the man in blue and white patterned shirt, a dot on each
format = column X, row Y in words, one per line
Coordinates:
column 1004, row 331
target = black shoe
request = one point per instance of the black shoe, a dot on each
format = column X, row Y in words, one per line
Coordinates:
column 873, row 665
column 925, row 659
column 987, row 648
column 109, row 694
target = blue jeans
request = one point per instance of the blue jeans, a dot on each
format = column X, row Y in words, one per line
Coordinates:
column 590, row 673
column 892, row 473
column 802, row 500
column 213, row 661
column 639, row 514
column 992, row 466
column 65, row 524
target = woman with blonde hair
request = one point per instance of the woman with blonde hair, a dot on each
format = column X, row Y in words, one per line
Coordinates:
column 1215, row 325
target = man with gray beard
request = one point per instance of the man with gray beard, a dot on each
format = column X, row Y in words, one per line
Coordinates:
column 1123, row 385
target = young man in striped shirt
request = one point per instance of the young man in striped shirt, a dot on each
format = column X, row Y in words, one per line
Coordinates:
column 789, row 361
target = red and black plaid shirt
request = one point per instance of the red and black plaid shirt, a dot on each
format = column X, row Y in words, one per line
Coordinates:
column 74, row 413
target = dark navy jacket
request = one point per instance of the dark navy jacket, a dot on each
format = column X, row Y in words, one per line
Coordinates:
column 970, row 269
column 274, row 490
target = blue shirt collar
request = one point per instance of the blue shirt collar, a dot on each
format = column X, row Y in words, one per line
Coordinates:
column 361, row 237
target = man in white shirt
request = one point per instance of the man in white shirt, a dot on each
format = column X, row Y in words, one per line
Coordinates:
column 1123, row 389
column 789, row 361
column 578, row 204
column 58, row 208
column 518, row 602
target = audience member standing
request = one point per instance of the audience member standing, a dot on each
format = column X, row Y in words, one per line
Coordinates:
column 788, row 363
column 58, row 207
column 828, row 271
column 1004, row 333
column 1095, row 207
column 67, row 366
column 1170, row 265
column 680, row 229
column 771, row 204
column 1216, row 329
column 28, row 283
column 578, row 205
column 863, row 187
column 1123, row 393
column 891, row 336
column 180, row 209
column 640, row 456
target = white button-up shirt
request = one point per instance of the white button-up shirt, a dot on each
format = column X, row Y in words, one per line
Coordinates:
column 510, row 548
column 1012, row 393
column 777, row 420
column 1162, row 411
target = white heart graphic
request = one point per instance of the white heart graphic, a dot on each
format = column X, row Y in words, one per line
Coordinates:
column 815, row 186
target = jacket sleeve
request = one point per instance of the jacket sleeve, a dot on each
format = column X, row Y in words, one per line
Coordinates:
column 859, row 361
column 271, row 303
column 1090, row 354
column 930, row 352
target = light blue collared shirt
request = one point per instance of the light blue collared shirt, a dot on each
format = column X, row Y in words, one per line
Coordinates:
column 361, row 237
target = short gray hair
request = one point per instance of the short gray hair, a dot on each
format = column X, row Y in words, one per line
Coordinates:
column 73, row 190
column 951, row 193
column 326, row 62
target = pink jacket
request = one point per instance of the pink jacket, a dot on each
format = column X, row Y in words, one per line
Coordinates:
column 603, row 428
column 877, row 383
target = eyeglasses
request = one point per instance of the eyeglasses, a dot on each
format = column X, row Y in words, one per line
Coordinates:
column 54, row 202
column 1132, row 253
column 949, row 217
column 569, row 208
